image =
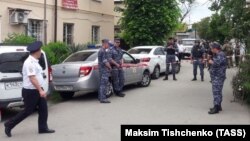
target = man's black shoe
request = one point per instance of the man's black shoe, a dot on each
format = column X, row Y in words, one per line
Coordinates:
column 175, row 79
column 46, row 131
column 214, row 110
column 7, row 130
column 166, row 78
column 105, row 101
column 121, row 94
column 194, row 79
column 220, row 108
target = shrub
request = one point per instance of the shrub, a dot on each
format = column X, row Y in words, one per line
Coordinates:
column 56, row 52
column 241, row 82
column 77, row 47
column 18, row 39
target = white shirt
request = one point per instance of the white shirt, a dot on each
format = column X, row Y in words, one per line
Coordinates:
column 31, row 67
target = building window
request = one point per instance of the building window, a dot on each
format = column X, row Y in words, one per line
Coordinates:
column 68, row 29
column 95, row 34
column 35, row 29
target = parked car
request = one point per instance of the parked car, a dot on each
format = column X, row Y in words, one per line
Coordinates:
column 79, row 72
column 187, row 45
column 154, row 57
column 11, row 63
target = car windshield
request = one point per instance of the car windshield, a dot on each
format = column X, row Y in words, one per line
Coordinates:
column 140, row 51
column 188, row 42
column 12, row 62
column 82, row 56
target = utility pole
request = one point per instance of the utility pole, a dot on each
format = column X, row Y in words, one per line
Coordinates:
column 45, row 23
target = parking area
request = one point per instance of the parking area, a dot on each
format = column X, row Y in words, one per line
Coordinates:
column 163, row 102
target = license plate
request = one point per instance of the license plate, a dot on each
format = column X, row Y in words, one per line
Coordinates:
column 64, row 88
column 13, row 85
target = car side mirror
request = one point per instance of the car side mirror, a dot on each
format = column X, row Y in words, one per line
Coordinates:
column 137, row 61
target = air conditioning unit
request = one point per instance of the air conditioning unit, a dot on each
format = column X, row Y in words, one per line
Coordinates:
column 19, row 17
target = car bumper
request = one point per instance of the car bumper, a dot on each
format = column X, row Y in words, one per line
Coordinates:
column 9, row 103
column 87, row 85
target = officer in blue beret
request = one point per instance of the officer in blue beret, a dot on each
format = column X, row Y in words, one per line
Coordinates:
column 32, row 92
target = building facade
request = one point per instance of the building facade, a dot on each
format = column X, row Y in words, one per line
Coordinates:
column 70, row 21
column 119, row 4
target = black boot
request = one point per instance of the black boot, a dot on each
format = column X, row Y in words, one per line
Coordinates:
column 166, row 77
column 220, row 108
column 174, row 78
column 202, row 78
column 194, row 79
column 214, row 110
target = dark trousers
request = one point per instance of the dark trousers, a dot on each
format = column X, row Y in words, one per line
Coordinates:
column 197, row 63
column 170, row 61
column 118, row 79
column 32, row 100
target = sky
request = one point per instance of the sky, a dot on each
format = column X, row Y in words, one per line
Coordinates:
column 199, row 11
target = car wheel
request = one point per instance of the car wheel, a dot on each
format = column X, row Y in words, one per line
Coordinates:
column 146, row 79
column 156, row 73
column 177, row 68
column 66, row 95
column 110, row 90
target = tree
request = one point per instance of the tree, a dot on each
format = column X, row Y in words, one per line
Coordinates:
column 148, row 22
column 203, row 28
column 186, row 7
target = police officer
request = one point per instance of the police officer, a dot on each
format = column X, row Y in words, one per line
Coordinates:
column 197, row 59
column 170, row 58
column 104, row 70
column 218, row 75
column 117, row 71
column 228, row 50
column 33, row 94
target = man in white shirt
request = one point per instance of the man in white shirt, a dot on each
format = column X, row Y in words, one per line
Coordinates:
column 33, row 94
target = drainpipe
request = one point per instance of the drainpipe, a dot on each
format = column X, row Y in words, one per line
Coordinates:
column 45, row 23
column 55, row 22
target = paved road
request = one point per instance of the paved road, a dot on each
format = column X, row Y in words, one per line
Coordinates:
column 163, row 102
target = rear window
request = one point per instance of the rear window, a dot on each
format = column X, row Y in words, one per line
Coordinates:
column 82, row 56
column 140, row 51
column 12, row 62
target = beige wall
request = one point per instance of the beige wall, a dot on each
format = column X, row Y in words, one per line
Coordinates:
column 118, row 15
column 89, row 13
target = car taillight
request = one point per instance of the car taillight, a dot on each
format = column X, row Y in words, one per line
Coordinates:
column 50, row 74
column 145, row 59
column 84, row 71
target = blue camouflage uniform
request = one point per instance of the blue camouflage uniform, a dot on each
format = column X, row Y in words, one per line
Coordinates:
column 197, row 56
column 104, row 72
column 117, row 73
column 218, row 76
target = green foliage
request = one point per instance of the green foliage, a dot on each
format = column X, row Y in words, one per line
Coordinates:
column 56, row 52
column 18, row 39
column 241, row 82
column 148, row 22
column 77, row 47
column 214, row 28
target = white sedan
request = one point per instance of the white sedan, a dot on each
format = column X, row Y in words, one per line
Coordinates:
column 154, row 57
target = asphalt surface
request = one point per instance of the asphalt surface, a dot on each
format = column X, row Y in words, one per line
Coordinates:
column 163, row 102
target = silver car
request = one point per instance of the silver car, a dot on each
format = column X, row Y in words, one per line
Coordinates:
column 79, row 72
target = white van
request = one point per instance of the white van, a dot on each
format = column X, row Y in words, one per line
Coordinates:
column 187, row 45
column 11, row 63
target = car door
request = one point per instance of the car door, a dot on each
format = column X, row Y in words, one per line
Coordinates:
column 160, row 55
column 129, row 68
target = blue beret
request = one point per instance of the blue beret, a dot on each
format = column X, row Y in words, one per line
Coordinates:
column 35, row 46
column 216, row 45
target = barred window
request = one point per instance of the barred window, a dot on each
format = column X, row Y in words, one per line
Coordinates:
column 35, row 29
column 68, row 31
